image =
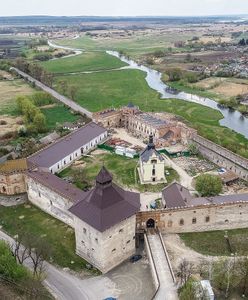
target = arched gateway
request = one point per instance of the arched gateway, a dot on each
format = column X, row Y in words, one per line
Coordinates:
column 150, row 223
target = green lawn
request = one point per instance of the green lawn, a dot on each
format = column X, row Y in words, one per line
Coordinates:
column 88, row 61
column 58, row 235
column 123, row 169
column 58, row 114
column 214, row 243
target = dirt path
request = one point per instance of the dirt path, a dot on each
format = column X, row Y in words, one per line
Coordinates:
column 178, row 251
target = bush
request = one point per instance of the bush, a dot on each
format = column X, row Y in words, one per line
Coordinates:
column 208, row 185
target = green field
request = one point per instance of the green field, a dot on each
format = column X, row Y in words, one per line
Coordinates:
column 60, row 237
column 123, row 169
column 214, row 243
column 88, row 61
column 58, row 114
column 102, row 90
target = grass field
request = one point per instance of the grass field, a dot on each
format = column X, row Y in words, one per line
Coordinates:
column 58, row 235
column 214, row 243
column 102, row 90
column 123, row 170
column 88, row 61
column 58, row 114
column 9, row 90
column 134, row 45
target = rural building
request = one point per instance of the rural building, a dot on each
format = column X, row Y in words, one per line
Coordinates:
column 62, row 153
column 151, row 165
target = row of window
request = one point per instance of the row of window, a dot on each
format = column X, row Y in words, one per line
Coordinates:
column 194, row 221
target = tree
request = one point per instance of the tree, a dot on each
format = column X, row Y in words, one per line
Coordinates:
column 193, row 149
column 72, row 92
column 208, row 185
column 40, row 122
column 175, row 74
column 185, row 271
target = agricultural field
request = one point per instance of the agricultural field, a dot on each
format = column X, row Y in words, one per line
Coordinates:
column 123, row 169
column 214, row 242
column 88, row 61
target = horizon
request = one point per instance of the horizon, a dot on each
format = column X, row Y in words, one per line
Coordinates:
column 139, row 8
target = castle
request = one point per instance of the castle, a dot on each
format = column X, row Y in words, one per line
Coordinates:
column 107, row 219
column 143, row 125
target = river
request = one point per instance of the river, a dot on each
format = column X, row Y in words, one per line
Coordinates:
column 232, row 119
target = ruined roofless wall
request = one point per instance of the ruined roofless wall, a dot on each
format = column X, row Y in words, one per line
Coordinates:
column 223, row 157
column 197, row 219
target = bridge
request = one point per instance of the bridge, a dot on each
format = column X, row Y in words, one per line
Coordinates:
column 68, row 102
column 161, row 268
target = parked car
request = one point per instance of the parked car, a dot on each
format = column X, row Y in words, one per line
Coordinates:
column 167, row 173
column 135, row 258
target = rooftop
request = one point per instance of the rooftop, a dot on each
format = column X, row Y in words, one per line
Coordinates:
column 152, row 120
column 106, row 204
column 150, row 151
column 65, row 146
column 58, row 185
column 12, row 166
column 176, row 195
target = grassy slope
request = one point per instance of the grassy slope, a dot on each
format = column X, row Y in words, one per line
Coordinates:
column 214, row 243
column 57, row 234
column 89, row 61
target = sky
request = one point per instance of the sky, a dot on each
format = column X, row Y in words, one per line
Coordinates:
column 122, row 7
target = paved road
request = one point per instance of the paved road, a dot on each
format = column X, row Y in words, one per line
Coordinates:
column 65, row 286
column 68, row 102
column 167, row 290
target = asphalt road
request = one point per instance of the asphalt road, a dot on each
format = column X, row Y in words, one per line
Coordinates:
column 65, row 286
column 68, row 102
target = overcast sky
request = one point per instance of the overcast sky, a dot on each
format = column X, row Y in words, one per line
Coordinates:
column 122, row 7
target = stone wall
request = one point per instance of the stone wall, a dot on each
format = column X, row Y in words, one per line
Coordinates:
column 12, row 184
column 223, row 157
column 107, row 249
column 49, row 201
column 193, row 219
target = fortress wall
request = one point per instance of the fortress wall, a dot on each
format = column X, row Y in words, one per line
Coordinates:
column 197, row 219
column 223, row 157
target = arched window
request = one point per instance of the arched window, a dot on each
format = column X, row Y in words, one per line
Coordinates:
column 181, row 223
column 207, row 219
column 194, row 221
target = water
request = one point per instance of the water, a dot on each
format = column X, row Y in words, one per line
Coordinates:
column 231, row 118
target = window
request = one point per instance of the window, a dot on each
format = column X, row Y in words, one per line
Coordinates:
column 154, row 161
column 64, row 162
column 226, row 221
column 121, row 230
column 70, row 158
column 194, row 221
column 110, row 236
column 82, row 242
column 207, row 219
column 181, row 223
column 84, row 230
column 169, row 224
column 39, row 194
column 128, row 241
column 114, row 250
column 153, row 172
column 96, row 239
column 58, row 166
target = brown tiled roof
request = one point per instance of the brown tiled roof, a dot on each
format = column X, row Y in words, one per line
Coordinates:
column 13, row 166
column 65, row 146
column 58, row 185
column 106, row 204
column 176, row 195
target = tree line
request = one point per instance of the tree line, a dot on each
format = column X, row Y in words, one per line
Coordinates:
column 35, row 70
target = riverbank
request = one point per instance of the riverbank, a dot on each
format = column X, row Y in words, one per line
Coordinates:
column 229, row 102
